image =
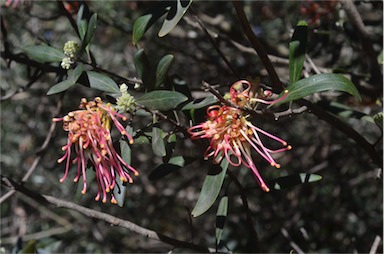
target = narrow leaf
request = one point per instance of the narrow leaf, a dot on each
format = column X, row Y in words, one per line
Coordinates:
column 120, row 190
column 163, row 170
column 176, row 12
column 221, row 216
column 102, row 82
column 211, row 188
column 44, row 53
column 297, row 48
column 144, row 69
column 292, row 180
column 81, row 23
column 90, row 29
column 163, row 68
column 200, row 103
column 73, row 76
column 61, row 86
column 319, row 83
column 158, row 145
column 139, row 27
column 161, row 100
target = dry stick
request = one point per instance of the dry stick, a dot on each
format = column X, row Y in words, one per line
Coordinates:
column 355, row 18
column 247, row 210
column 256, row 44
column 230, row 66
column 318, row 111
column 45, row 199
column 38, row 152
column 375, row 245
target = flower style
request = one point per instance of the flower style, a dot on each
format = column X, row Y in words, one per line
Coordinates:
column 89, row 136
column 232, row 136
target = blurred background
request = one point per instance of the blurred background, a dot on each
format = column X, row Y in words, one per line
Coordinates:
column 341, row 213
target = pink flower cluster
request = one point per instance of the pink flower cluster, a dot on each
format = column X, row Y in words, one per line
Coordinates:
column 90, row 138
column 232, row 136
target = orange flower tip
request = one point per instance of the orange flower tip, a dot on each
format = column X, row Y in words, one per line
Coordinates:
column 59, row 161
column 61, row 180
column 107, row 190
column 113, row 201
column 278, row 166
column 83, row 191
column 273, row 164
column 289, row 147
column 131, row 141
column 285, row 143
column 124, row 118
column 75, row 180
column 136, row 173
column 123, row 133
column 130, row 181
column 286, row 91
column 97, row 198
column 123, row 179
column 265, row 188
column 104, row 200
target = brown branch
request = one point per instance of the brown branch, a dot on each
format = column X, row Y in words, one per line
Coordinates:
column 256, row 44
column 366, row 43
column 39, row 153
column 45, row 199
column 250, row 221
column 214, row 44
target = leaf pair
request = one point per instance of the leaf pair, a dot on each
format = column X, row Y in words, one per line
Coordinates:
column 96, row 80
column 175, row 11
column 299, row 88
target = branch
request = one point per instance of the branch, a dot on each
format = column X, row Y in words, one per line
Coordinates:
column 212, row 41
column 250, row 221
column 366, row 43
column 39, row 153
column 256, row 44
column 45, row 199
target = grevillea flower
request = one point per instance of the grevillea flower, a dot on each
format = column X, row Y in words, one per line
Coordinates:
column 89, row 137
column 232, row 136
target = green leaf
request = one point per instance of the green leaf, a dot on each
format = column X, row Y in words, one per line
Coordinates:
column 158, row 145
column 90, row 30
column 161, row 100
column 102, row 82
column 140, row 26
column 175, row 13
column 144, row 69
column 73, row 76
column 163, row 68
column 211, row 188
column 177, row 160
column 120, row 190
column 221, row 216
column 81, row 23
column 319, row 83
column 163, row 170
column 200, row 103
column 292, row 180
column 61, row 86
column 44, row 53
column 297, row 48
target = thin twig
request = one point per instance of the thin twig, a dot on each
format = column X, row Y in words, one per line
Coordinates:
column 248, row 213
column 214, row 44
column 256, row 44
column 375, row 245
column 366, row 43
column 39, row 153
column 103, row 216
